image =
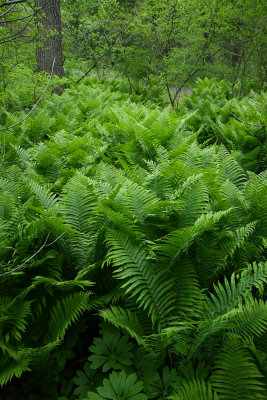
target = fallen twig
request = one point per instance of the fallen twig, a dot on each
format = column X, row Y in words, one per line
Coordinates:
column 245, row 122
column 32, row 256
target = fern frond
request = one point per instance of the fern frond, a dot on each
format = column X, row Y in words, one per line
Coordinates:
column 226, row 297
column 14, row 368
column 141, row 278
column 47, row 199
column 66, row 311
column 196, row 203
column 235, row 374
column 124, row 319
column 24, row 155
column 189, row 299
column 196, row 389
column 76, row 205
column 250, row 319
column 179, row 241
column 230, row 168
column 50, row 282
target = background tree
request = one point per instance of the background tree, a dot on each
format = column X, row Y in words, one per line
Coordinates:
column 50, row 38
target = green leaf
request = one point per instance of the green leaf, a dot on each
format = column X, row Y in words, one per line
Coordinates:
column 119, row 386
column 113, row 351
column 196, row 389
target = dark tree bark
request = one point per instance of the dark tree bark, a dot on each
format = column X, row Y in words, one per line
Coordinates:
column 50, row 44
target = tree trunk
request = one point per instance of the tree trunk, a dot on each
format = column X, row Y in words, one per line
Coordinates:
column 49, row 45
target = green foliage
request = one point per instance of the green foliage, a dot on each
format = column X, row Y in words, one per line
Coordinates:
column 111, row 352
column 195, row 390
column 229, row 378
column 167, row 232
column 119, row 386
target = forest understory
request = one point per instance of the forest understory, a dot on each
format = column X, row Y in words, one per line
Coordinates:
column 133, row 201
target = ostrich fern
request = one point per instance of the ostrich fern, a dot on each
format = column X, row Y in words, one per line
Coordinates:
column 168, row 235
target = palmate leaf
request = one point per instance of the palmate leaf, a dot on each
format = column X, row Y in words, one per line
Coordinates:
column 113, row 351
column 84, row 380
column 119, row 386
column 196, row 389
column 140, row 277
column 66, row 311
column 235, row 375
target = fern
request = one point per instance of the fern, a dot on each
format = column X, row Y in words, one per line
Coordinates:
column 151, row 291
column 235, row 375
column 124, row 319
column 64, row 313
column 179, row 242
column 47, row 199
column 75, row 206
column 177, row 223
column 250, row 319
column 225, row 298
column 195, row 390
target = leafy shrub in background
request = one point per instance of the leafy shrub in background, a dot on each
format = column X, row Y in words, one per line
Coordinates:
column 114, row 207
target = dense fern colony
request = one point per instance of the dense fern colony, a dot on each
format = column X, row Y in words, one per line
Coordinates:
column 152, row 220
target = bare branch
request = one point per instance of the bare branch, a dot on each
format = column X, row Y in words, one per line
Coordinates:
column 11, row 3
column 15, row 20
column 9, row 38
column 35, row 105
column 103, row 55
column 245, row 122
column 35, row 254
column 7, row 11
